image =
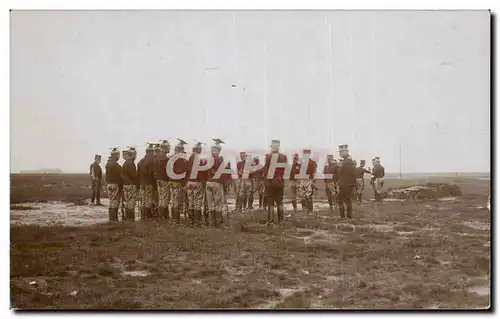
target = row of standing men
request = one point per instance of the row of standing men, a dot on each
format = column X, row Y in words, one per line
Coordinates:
column 148, row 183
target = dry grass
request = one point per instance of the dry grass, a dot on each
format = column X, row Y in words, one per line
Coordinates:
column 410, row 255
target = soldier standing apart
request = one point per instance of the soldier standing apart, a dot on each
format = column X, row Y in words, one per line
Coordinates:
column 378, row 174
column 145, row 170
column 215, row 187
column 154, row 211
column 259, row 178
column 254, row 184
column 293, row 182
column 372, row 177
column 130, row 184
column 331, row 187
column 360, row 179
column 162, row 180
column 115, row 184
column 307, row 186
column 244, row 185
column 194, row 186
column 96, row 178
column 347, row 182
column 275, row 182
column 178, row 184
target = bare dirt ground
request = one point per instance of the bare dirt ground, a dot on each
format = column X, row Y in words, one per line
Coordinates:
column 394, row 254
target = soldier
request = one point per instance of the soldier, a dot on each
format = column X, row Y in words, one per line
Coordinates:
column 254, row 189
column 275, row 183
column 162, row 180
column 145, row 170
column 378, row 175
column 155, row 210
column 114, row 182
column 216, row 186
column 331, row 168
column 360, row 179
column 178, row 184
column 244, row 185
column 259, row 187
column 347, row 181
column 294, row 183
column 96, row 178
column 307, row 186
column 195, row 187
column 130, row 183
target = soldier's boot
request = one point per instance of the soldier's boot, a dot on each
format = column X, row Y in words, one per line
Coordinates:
column 176, row 217
column 260, row 201
column 270, row 214
column 197, row 218
column 213, row 220
column 218, row 217
column 310, row 205
column 280, row 213
column 341, row 209
column 166, row 213
column 349, row 208
column 360, row 197
column 303, row 205
column 206, row 215
column 191, row 217
column 239, row 203
column 294, row 205
column 113, row 214
column 130, row 214
column 250, row 201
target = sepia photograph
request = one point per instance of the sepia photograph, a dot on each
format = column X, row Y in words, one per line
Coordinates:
column 250, row 159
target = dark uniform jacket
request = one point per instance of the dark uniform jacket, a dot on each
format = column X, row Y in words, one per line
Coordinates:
column 161, row 168
column 295, row 170
column 146, row 171
column 347, row 173
column 130, row 176
column 361, row 171
column 378, row 171
column 278, row 178
column 200, row 175
column 113, row 173
column 332, row 169
column 181, row 166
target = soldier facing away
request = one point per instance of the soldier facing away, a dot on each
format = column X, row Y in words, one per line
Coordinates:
column 360, row 179
column 178, row 184
column 378, row 175
column 145, row 170
column 307, row 186
column 130, row 184
column 347, row 182
column 293, row 182
column 275, row 183
column 115, row 184
column 96, row 178
column 215, row 187
column 331, row 184
column 244, row 185
column 195, row 187
column 162, row 180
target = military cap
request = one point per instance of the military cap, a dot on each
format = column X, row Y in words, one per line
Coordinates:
column 131, row 150
column 343, row 147
column 275, row 144
column 97, row 156
column 198, row 144
column 362, row 161
column 306, row 151
column 217, row 142
column 114, row 151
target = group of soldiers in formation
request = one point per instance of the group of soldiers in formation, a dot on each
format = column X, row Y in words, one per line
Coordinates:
column 201, row 196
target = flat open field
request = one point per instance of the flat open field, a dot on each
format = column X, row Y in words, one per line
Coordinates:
column 424, row 254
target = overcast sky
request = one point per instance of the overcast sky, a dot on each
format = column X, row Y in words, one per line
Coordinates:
column 82, row 82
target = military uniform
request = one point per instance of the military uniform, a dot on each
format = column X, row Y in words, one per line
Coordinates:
column 275, row 183
column 378, row 175
column 244, row 185
column 195, row 187
column 178, row 184
column 130, row 184
column 331, row 184
column 115, row 184
column 96, row 178
column 163, row 181
column 347, row 182
column 307, row 186
column 216, row 186
column 360, row 180
column 145, row 170
column 294, row 184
